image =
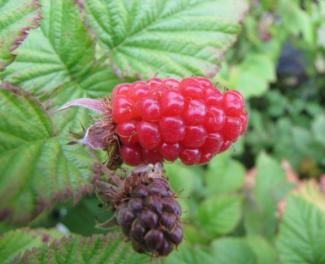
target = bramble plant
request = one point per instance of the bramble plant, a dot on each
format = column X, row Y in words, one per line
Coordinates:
column 121, row 141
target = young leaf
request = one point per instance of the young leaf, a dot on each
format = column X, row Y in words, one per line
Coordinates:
column 17, row 17
column 264, row 252
column 302, row 233
column 318, row 128
column 224, row 174
column 57, row 62
column 271, row 187
column 14, row 243
column 96, row 249
column 178, row 38
column 220, row 214
column 37, row 167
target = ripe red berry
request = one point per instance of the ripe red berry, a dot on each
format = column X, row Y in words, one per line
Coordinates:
column 168, row 119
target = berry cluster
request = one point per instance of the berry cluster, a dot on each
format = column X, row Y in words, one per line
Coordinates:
column 168, row 119
column 147, row 212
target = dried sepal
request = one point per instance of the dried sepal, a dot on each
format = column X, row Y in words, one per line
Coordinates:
column 96, row 105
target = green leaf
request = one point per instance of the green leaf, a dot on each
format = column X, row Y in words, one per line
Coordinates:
column 83, row 217
column 269, row 178
column 181, row 178
column 57, row 62
column 318, row 127
column 86, row 250
column 271, row 187
column 37, row 167
column 264, row 252
column 169, row 38
column 17, row 17
column 14, row 243
column 193, row 235
column 186, row 254
column 220, row 214
column 256, row 72
column 224, row 174
column 232, row 250
column 302, row 233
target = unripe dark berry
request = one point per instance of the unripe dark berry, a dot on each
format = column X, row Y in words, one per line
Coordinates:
column 145, row 209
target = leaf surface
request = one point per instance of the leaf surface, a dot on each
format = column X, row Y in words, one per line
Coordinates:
column 168, row 38
column 37, row 166
column 17, row 17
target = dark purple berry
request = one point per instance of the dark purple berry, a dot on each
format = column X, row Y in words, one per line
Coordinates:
column 135, row 204
column 154, row 239
column 148, row 219
column 175, row 235
column 168, row 220
column 171, row 205
column 154, row 203
column 146, row 210
column 165, row 248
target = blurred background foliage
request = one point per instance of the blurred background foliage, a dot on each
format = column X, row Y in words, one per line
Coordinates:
column 236, row 209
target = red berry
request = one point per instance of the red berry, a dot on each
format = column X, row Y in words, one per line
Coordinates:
column 190, row 156
column 194, row 112
column 243, row 118
column 213, row 97
column 151, row 156
column 121, row 89
column 215, row 119
column 122, row 109
column 195, row 136
column 213, row 143
column 170, row 151
column 149, row 109
column 232, row 128
column 191, row 88
column 171, row 84
column 139, row 90
column 233, row 103
column 127, row 132
column 172, row 129
column 131, row 154
column 205, row 83
column 168, row 119
column 149, row 136
column 172, row 103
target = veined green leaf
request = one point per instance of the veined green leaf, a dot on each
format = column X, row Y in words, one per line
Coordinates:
column 13, row 244
column 186, row 255
column 271, row 187
column 16, row 18
column 37, row 167
column 57, row 62
column 87, row 250
column 232, row 250
column 224, row 174
column 220, row 214
column 168, row 38
column 302, row 233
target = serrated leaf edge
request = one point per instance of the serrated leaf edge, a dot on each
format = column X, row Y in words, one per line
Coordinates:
column 23, row 33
